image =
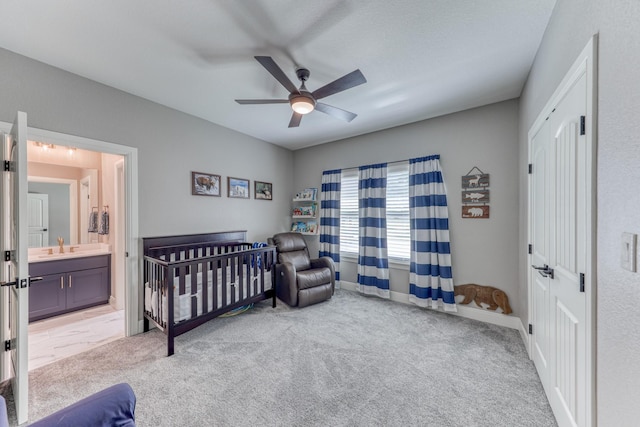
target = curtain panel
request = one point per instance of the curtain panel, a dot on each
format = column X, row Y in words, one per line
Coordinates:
column 373, row 263
column 330, row 218
column 430, row 274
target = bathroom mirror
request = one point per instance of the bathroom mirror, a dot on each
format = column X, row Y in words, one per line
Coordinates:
column 59, row 204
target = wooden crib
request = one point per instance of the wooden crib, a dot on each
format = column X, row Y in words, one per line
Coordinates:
column 210, row 274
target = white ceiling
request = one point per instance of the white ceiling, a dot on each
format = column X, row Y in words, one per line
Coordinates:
column 421, row 58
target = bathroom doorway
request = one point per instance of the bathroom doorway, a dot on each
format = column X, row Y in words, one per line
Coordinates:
column 127, row 296
column 61, row 326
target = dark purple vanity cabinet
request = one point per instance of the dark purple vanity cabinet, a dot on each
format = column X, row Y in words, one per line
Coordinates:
column 68, row 285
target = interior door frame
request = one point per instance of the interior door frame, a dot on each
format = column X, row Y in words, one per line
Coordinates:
column 585, row 63
column 133, row 318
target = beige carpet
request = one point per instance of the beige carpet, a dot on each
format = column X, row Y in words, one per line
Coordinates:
column 350, row 361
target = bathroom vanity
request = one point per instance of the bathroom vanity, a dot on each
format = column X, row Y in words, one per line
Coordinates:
column 70, row 281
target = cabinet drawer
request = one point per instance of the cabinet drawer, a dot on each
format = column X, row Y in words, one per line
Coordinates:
column 66, row 265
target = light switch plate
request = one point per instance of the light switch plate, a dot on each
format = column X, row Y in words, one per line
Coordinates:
column 628, row 251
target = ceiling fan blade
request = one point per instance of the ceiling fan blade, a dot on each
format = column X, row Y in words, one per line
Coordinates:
column 262, row 101
column 336, row 112
column 295, row 120
column 345, row 82
column 271, row 66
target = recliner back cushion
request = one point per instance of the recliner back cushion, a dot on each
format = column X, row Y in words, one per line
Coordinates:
column 292, row 248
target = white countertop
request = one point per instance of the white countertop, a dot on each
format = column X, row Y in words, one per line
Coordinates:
column 83, row 250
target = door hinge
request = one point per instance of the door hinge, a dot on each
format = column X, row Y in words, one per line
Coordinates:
column 581, row 282
column 530, row 329
column 530, row 248
column 126, row 254
column 9, row 345
column 582, row 125
column 7, row 256
column 8, row 166
column 530, row 168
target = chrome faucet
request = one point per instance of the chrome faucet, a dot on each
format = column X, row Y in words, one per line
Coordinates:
column 61, row 243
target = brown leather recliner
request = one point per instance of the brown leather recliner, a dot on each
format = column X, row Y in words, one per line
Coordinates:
column 300, row 280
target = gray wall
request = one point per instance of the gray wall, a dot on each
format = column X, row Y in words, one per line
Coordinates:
column 618, row 337
column 59, row 224
column 170, row 145
column 484, row 251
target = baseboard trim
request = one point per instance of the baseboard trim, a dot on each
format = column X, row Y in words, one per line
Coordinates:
column 524, row 334
column 481, row 315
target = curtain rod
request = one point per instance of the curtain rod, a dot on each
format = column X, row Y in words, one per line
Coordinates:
column 389, row 163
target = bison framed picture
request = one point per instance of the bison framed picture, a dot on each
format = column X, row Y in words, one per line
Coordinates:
column 205, row 184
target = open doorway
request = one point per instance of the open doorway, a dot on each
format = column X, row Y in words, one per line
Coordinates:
column 69, row 145
column 65, row 320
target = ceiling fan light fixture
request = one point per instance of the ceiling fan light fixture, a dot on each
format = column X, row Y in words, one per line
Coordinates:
column 302, row 103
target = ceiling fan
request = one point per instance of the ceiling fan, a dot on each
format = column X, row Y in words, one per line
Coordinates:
column 301, row 100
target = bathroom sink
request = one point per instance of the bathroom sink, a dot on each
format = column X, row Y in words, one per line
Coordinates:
column 86, row 251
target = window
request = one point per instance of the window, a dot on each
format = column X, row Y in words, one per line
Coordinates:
column 349, row 218
column 398, row 237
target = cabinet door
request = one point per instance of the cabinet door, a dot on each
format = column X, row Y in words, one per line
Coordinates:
column 47, row 297
column 87, row 287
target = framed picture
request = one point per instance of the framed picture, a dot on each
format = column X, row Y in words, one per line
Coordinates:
column 238, row 188
column 205, row 184
column 263, row 190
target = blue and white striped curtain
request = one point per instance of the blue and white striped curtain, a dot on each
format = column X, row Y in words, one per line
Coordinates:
column 430, row 278
column 330, row 218
column 373, row 264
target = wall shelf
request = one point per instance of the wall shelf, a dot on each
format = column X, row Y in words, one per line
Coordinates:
column 304, row 212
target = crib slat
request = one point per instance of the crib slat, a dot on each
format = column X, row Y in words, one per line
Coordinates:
column 205, row 287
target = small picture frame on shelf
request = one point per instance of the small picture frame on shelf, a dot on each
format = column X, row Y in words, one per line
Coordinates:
column 305, row 210
column 307, row 194
column 262, row 190
column 304, row 227
column 237, row 188
column 205, row 184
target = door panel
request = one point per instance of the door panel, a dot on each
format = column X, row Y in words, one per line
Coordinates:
column 559, row 230
column 38, row 208
column 540, row 230
column 14, row 240
column 569, row 254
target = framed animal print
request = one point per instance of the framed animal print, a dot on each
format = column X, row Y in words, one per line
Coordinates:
column 205, row 184
column 262, row 190
column 238, row 188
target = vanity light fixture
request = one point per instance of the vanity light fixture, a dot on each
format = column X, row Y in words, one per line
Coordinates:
column 71, row 150
column 43, row 145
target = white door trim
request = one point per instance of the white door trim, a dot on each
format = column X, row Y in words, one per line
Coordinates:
column 585, row 64
column 133, row 318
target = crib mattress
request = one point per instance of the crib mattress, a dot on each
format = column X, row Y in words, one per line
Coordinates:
column 182, row 302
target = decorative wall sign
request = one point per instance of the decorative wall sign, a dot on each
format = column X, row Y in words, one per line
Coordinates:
column 475, row 194
column 475, row 211
column 478, row 180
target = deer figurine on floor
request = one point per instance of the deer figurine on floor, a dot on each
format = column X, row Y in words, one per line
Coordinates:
column 494, row 297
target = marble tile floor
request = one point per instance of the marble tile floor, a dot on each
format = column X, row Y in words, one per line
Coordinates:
column 63, row 336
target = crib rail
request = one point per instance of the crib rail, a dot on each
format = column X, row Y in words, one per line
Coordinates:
column 187, row 285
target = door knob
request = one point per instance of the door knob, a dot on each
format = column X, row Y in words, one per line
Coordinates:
column 544, row 271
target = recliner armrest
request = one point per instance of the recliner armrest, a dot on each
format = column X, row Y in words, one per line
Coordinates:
column 286, row 283
column 327, row 262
